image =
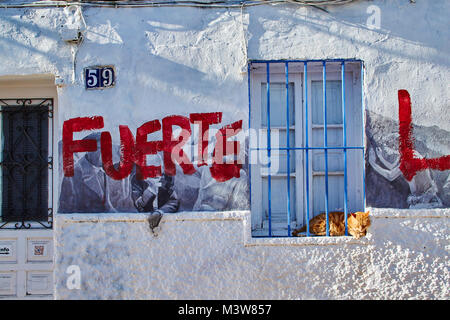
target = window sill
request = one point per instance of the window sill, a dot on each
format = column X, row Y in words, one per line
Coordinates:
column 68, row 218
column 392, row 213
column 306, row 241
column 244, row 217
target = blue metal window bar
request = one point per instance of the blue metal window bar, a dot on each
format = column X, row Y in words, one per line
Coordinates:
column 306, row 146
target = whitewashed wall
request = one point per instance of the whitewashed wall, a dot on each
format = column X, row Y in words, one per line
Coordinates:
column 212, row 256
column 179, row 60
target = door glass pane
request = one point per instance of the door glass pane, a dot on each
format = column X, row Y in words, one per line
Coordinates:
column 277, row 104
column 334, row 102
column 278, row 138
column 278, row 198
column 335, row 194
column 335, row 160
column 278, row 162
column 334, row 137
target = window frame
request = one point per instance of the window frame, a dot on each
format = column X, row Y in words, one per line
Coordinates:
column 256, row 180
column 257, row 73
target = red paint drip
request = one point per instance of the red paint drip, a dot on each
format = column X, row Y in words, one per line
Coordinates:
column 172, row 146
column 225, row 171
column 204, row 120
column 409, row 165
column 126, row 153
column 144, row 147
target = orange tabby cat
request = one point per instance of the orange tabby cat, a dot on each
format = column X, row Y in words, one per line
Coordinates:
column 357, row 224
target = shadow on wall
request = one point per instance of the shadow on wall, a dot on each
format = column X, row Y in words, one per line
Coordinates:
column 386, row 187
column 182, row 59
column 19, row 34
column 317, row 23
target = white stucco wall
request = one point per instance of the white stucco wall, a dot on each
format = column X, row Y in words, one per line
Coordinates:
column 206, row 255
column 181, row 60
column 195, row 59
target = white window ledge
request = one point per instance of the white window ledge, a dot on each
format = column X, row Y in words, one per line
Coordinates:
column 390, row 213
column 66, row 218
column 245, row 217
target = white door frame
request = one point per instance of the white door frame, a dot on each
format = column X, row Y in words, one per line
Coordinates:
column 27, row 265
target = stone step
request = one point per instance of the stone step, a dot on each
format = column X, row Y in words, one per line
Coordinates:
column 279, row 228
column 278, row 224
column 265, row 233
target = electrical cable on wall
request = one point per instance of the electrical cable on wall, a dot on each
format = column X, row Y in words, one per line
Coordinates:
column 181, row 3
column 72, row 32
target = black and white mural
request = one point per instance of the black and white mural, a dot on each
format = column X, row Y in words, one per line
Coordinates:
column 406, row 164
column 147, row 179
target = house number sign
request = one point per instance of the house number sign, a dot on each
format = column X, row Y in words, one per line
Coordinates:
column 99, row 77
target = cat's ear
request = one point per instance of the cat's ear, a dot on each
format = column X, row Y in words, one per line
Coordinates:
column 353, row 215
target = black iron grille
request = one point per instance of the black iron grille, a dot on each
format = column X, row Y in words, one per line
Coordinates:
column 25, row 162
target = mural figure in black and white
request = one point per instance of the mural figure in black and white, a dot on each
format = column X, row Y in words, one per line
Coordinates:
column 155, row 195
column 386, row 186
column 91, row 190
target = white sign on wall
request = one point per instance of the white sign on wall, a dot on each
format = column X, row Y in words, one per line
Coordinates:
column 40, row 249
column 8, row 250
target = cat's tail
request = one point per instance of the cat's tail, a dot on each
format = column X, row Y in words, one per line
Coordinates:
column 297, row 231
